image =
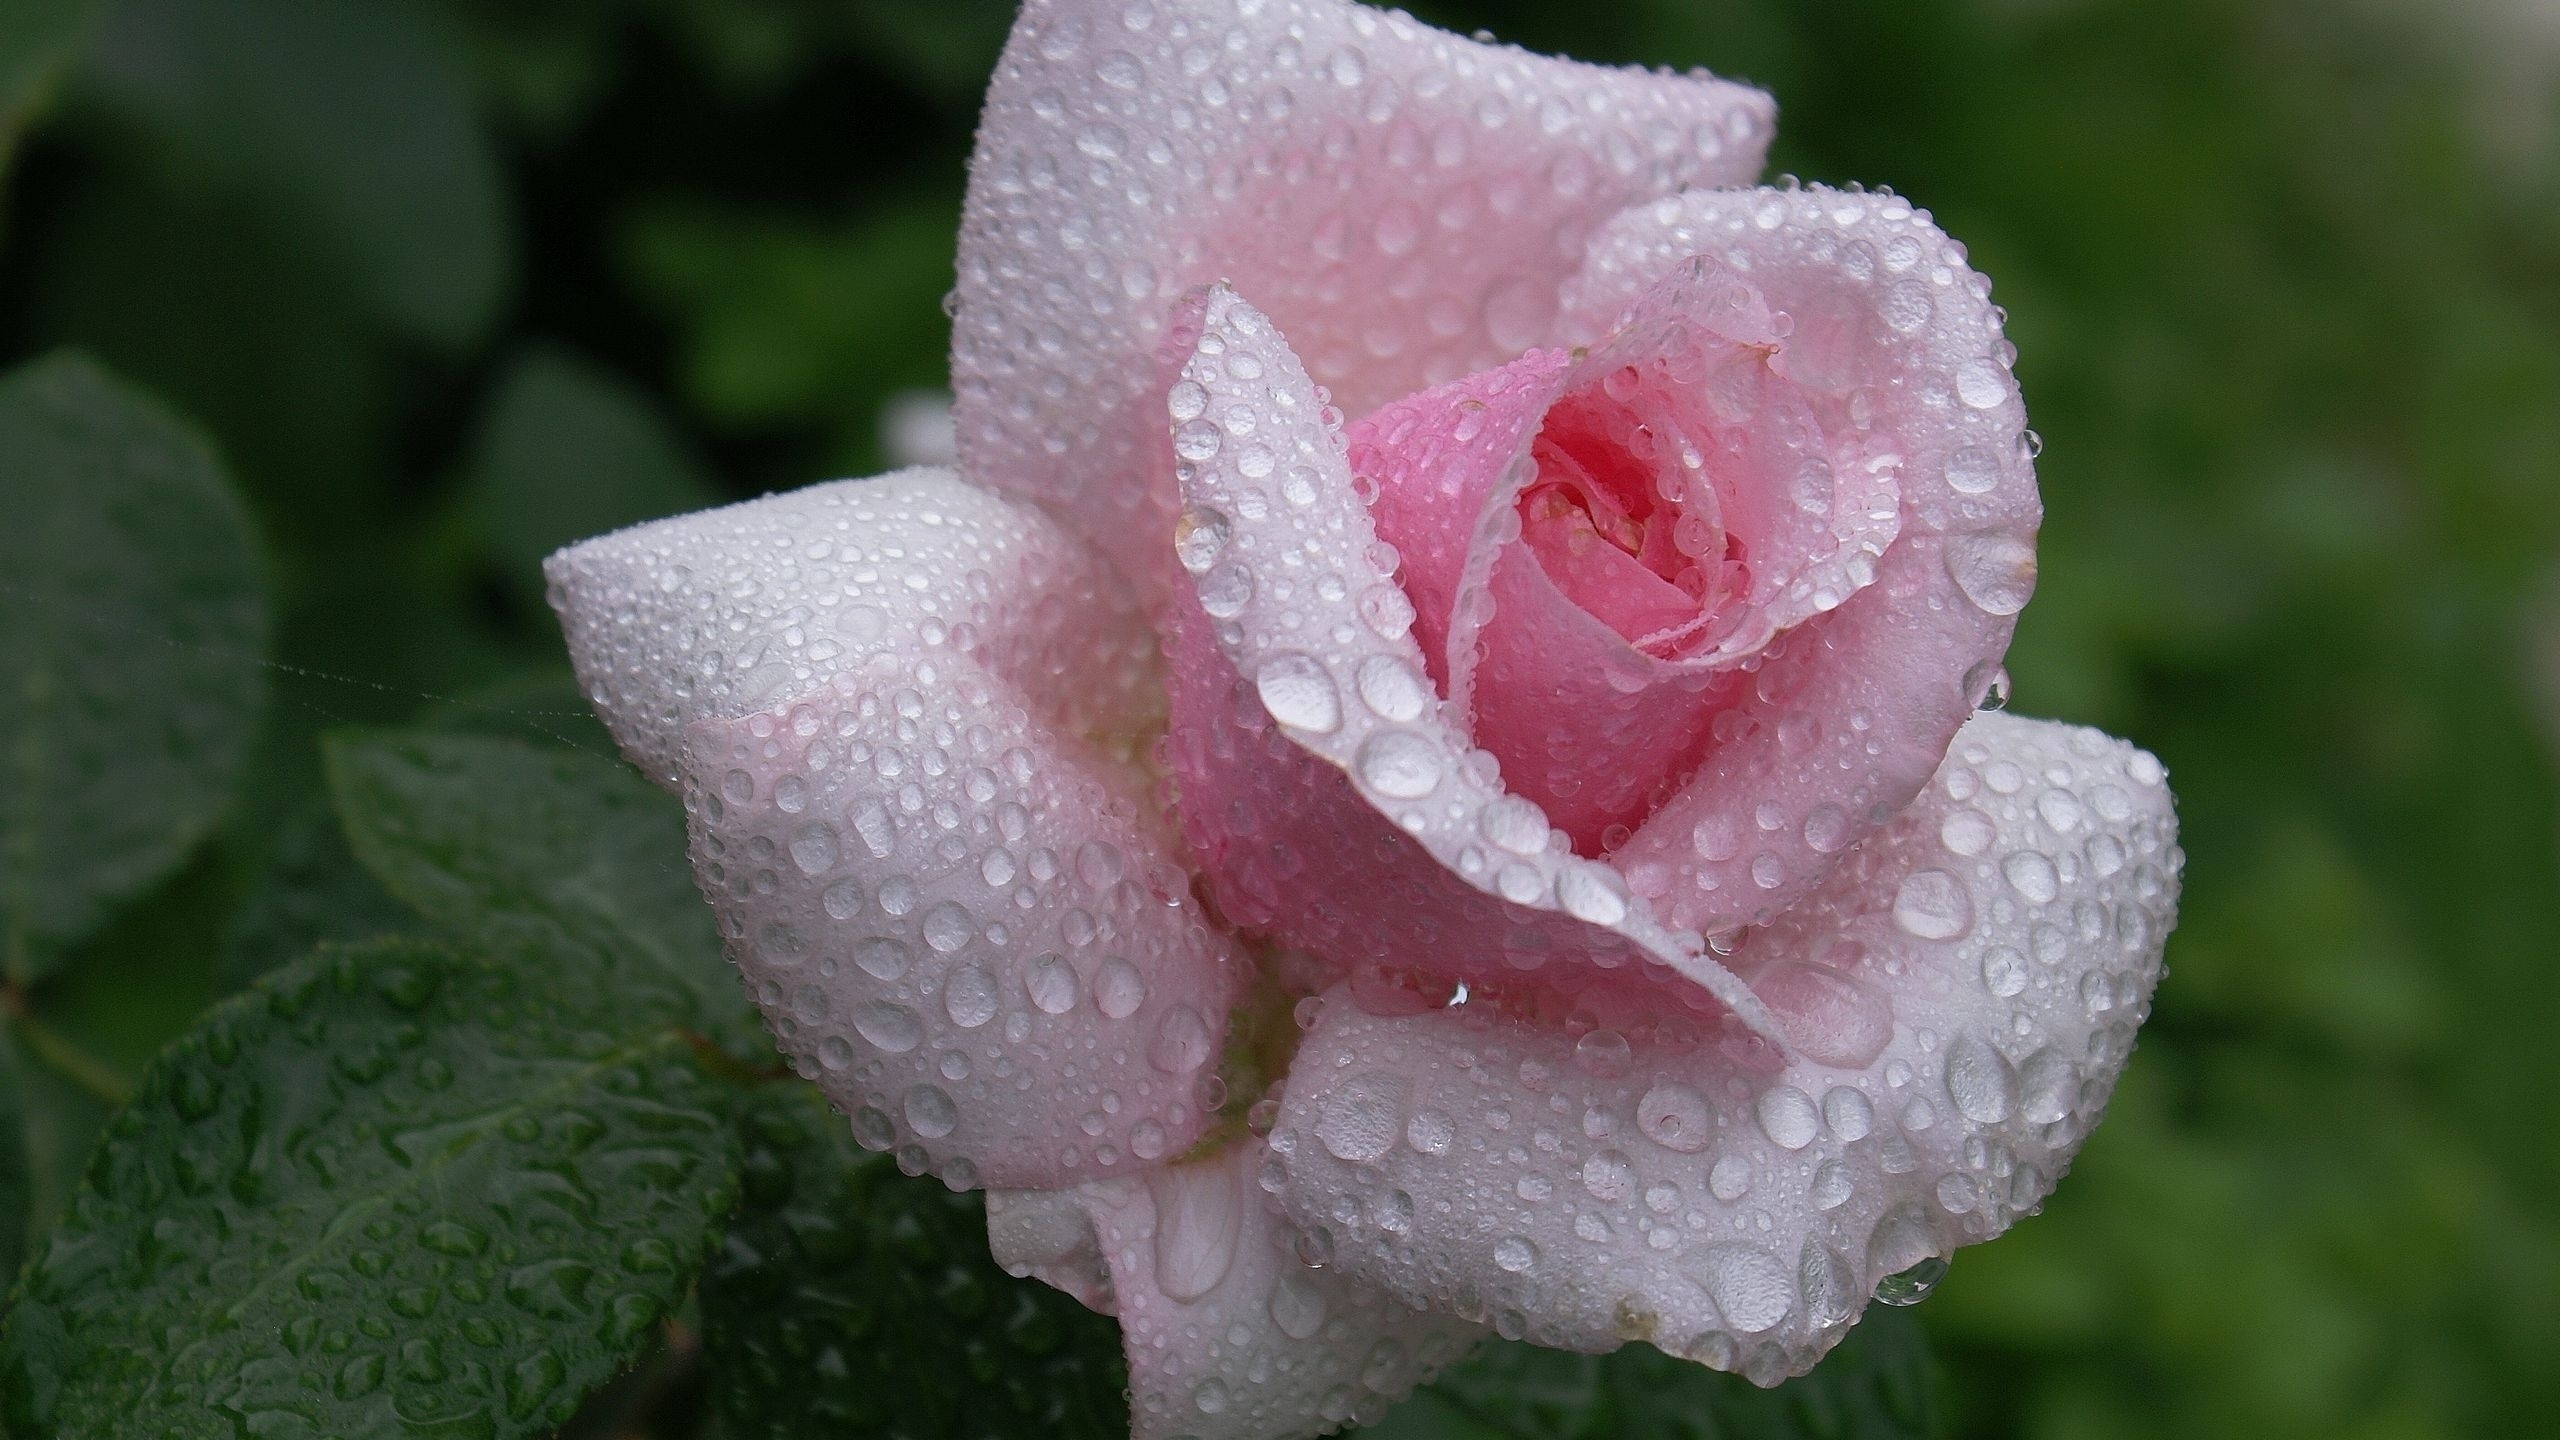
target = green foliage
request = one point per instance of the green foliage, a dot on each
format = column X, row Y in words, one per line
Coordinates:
column 356, row 122
column 567, row 451
column 389, row 1188
column 539, row 851
column 850, row 1300
column 36, row 38
column 1879, row 1385
column 313, row 890
column 131, row 657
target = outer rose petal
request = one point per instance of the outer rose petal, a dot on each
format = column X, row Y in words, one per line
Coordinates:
column 960, row 917
column 727, row 612
column 1407, row 201
column 1963, row 991
column 1896, row 341
column 1229, row 1335
column 1328, row 800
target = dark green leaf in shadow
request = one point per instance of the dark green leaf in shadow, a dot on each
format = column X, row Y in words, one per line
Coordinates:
column 1879, row 1385
column 130, row 663
column 852, row 1301
column 389, row 1191
column 537, row 849
column 566, row 451
column 50, row 1123
column 36, row 38
column 356, row 120
column 312, row 890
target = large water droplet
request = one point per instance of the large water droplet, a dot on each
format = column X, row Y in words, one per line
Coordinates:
column 1052, row 984
column 1995, row 569
column 1358, row 1121
column 1933, row 905
column 813, row 848
column 1297, row 1307
column 930, row 1112
column 970, row 996
column 1299, row 693
column 1199, row 1219
column 1118, row 989
column 1676, row 1117
column 1749, row 1285
column 893, row 1028
column 1400, row 764
column 1788, row 1117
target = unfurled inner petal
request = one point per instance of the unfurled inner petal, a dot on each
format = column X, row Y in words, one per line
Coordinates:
column 1327, row 800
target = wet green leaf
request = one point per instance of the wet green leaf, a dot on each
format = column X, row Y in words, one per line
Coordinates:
column 313, row 889
column 545, row 850
column 130, row 670
column 1879, row 1385
column 852, row 1301
column 356, row 121
column 389, row 1191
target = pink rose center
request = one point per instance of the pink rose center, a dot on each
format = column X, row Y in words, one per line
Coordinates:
column 1623, row 518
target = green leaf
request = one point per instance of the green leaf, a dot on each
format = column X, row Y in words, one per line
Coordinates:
column 357, row 122
column 312, row 890
column 545, row 850
column 390, row 1191
column 567, row 451
column 852, row 1301
column 1879, row 1385
column 47, row 1125
column 36, row 37
column 130, row 670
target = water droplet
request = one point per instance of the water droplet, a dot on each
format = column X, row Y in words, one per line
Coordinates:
column 1118, row 989
column 1788, row 1117
column 1676, row 1117
column 1967, row 832
column 1849, row 1113
column 1429, row 1132
column 947, row 927
column 1182, row 1042
column 930, row 1112
column 893, row 1028
column 1592, row 893
column 970, row 996
column 1052, row 984
column 1357, row 1121
column 882, row 957
column 1981, row 384
column 1833, row 1018
column 1200, row 534
column 2004, row 971
column 1995, row 569
column 1514, row 1254
column 2031, row 873
column 1980, row 1081
column 1912, row 1285
column 1609, row 1176
column 1393, row 692
column 1749, row 1285
column 1299, row 693
column 1297, row 1307
column 813, row 848
column 1400, row 764
column 1933, row 905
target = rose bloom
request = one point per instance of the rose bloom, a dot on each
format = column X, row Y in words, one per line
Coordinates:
column 1529, row 859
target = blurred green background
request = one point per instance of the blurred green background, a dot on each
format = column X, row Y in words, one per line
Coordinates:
column 448, row 284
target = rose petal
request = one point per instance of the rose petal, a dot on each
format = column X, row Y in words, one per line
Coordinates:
column 726, row 612
column 1406, row 201
column 1894, row 340
column 1328, row 800
column 1593, row 726
column 960, row 917
column 1963, row 991
column 1230, row 1336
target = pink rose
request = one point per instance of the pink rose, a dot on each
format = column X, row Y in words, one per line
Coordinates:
column 1583, row 740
